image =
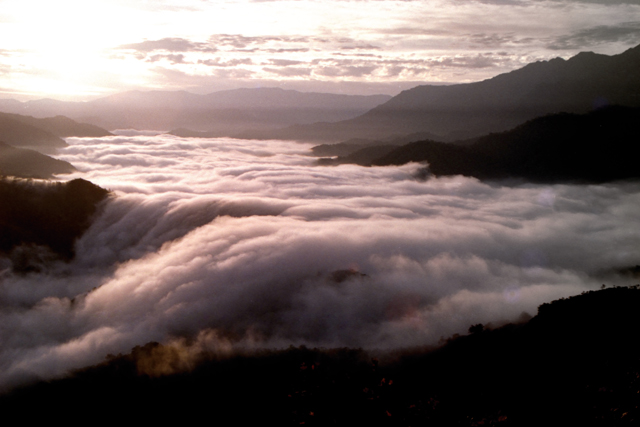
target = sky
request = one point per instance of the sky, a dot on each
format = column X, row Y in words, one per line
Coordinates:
column 235, row 244
column 79, row 50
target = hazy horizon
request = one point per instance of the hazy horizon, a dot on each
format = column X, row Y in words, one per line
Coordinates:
column 74, row 50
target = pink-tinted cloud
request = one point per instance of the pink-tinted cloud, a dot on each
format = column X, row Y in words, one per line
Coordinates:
column 222, row 235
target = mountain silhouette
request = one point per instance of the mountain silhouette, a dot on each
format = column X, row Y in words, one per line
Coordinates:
column 24, row 163
column 595, row 147
column 222, row 113
column 577, row 85
column 20, row 134
column 61, row 126
column 352, row 145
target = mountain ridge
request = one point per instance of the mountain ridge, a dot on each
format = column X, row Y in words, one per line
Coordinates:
column 576, row 85
column 19, row 134
column 60, row 126
column 25, row 163
column 222, row 113
column 598, row 146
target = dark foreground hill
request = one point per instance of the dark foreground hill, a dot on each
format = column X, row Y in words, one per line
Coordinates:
column 40, row 221
column 23, row 163
column 576, row 363
column 596, row 147
column 577, row 85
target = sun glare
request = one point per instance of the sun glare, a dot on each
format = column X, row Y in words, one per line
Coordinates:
column 62, row 49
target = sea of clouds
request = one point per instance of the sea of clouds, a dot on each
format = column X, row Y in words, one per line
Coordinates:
column 237, row 243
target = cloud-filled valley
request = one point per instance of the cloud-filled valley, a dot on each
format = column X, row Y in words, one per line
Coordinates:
column 248, row 240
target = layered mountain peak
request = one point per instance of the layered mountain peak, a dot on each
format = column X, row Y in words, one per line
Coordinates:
column 577, row 85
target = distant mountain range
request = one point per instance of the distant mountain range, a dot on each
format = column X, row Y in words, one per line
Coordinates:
column 222, row 113
column 27, row 131
column 595, row 147
column 60, row 126
column 447, row 113
column 39, row 134
column 460, row 111
column 21, row 134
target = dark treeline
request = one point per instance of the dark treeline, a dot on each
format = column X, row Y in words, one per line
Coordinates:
column 575, row 363
column 596, row 147
column 43, row 219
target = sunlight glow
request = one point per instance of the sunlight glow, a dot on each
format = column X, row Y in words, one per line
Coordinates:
column 81, row 43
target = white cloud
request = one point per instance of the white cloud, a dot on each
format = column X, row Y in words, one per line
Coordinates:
column 243, row 236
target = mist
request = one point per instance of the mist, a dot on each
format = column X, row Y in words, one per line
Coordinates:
column 240, row 241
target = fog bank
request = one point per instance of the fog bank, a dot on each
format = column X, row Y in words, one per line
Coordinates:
column 241, row 239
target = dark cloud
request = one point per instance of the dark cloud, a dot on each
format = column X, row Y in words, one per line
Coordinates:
column 528, row 2
column 416, row 31
column 345, row 71
column 174, row 59
column 219, row 62
column 229, row 43
column 286, row 50
column 232, row 73
column 358, row 67
column 467, row 61
column 284, row 62
column 358, row 55
column 239, row 41
column 498, row 2
column 495, row 40
column 603, row 2
column 168, row 44
column 628, row 32
column 177, row 78
column 360, row 47
column 288, row 71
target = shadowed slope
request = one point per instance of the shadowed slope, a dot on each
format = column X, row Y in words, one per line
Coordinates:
column 577, row 85
column 23, row 163
column 596, row 147
column 575, row 363
column 19, row 134
column 45, row 215
column 60, row 126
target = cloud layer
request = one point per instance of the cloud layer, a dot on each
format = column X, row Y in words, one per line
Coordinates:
column 242, row 239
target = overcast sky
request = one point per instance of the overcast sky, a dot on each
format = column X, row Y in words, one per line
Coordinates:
column 75, row 49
